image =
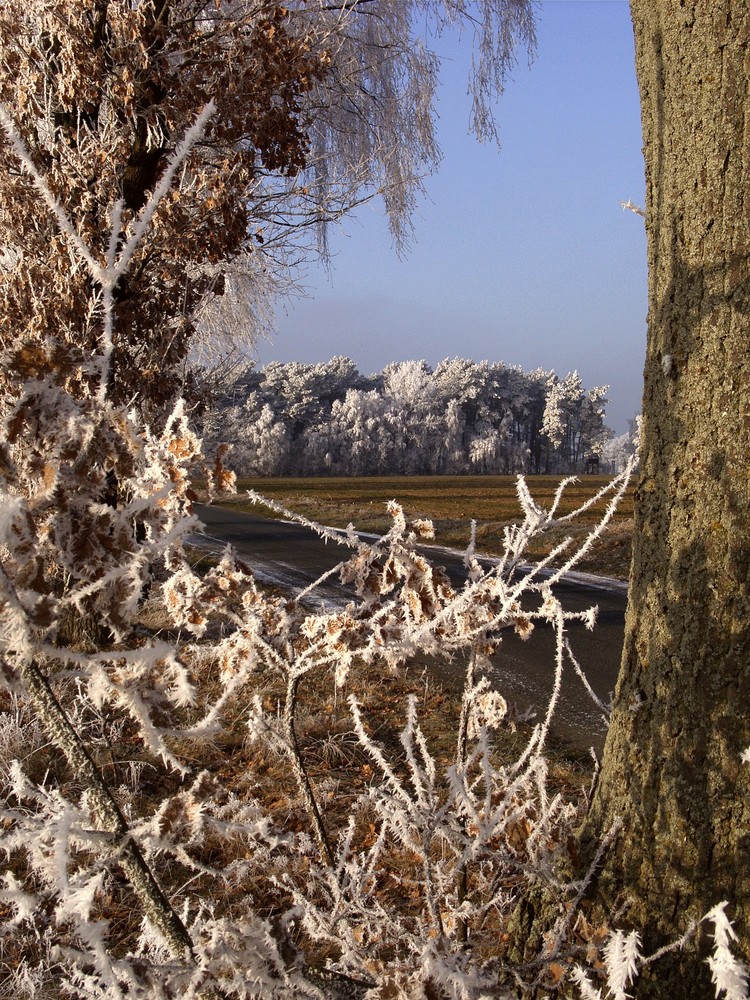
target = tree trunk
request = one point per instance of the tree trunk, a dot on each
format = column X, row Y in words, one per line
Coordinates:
column 672, row 763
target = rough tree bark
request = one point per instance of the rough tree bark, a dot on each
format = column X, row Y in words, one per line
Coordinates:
column 672, row 764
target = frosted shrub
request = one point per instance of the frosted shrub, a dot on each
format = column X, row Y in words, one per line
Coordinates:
column 403, row 898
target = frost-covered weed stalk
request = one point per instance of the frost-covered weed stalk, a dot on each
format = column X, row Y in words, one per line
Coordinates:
column 130, row 870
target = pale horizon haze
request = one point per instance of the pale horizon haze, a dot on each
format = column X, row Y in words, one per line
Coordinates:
column 523, row 256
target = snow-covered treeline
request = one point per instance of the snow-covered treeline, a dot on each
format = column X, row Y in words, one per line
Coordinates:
column 461, row 417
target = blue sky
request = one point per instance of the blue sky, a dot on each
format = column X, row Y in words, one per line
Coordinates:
column 523, row 256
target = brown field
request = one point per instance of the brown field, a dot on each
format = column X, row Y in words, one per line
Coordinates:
column 451, row 502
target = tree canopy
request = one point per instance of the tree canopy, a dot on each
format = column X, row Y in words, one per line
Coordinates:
column 465, row 416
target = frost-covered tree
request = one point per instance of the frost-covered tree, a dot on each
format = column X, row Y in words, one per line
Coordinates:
column 464, row 380
column 409, row 406
column 617, row 450
column 466, row 416
column 573, row 418
column 362, row 442
column 454, row 455
column 532, row 416
column 260, row 443
column 101, row 95
column 614, row 451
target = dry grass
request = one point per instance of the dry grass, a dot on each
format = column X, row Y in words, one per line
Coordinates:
column 451, row 502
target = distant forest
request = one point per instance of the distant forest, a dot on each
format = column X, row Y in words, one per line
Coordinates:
column 460, row 417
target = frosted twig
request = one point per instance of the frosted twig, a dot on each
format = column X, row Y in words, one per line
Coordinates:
column 178, row 157
column 330, row 534
column 585, row 681
column 629, row 206
column 63, row 221
column 613, row 485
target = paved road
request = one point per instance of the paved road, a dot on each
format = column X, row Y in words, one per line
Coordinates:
column 292, row 556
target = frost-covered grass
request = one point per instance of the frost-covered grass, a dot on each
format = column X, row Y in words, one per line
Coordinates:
column 451, row 502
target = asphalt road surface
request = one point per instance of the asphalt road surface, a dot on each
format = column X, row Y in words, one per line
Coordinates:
column 291, row 556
